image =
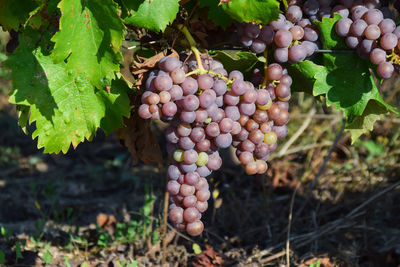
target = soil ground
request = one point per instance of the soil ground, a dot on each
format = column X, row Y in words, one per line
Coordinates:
column 92, row 207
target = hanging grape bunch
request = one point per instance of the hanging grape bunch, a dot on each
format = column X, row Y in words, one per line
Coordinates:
column 365, row 25
column 293, row 38
column 208, row 110
column 374, row 37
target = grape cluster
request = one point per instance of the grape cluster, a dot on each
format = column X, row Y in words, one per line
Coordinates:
column 374, row 37
column 318, row 9
column 261, row 130
column 292, row 37
column 207, row 109
column 365, row 25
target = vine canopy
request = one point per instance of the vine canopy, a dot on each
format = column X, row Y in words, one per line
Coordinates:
column 66, row 65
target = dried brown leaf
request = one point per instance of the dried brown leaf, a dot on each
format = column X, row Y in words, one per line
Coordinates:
column 208, row 258
column 324, row 262
column 143, row 65
column 138, row 138
column 101, row 219
column 126, row 63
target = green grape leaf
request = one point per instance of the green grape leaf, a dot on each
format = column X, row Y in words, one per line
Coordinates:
column 345, row 81
column 63, row 104
column 216, row 13
column 15, row 12
column 153, row 15
column 365, row 123
column 233, row 60
column 328, row 34
column 89, row 39
column 117, row 105
column 260, row 11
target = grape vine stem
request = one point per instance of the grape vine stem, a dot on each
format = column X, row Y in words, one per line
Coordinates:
column 321, row 169
column 265, row 81
column 285, row 4
column 192, row 44
column 204, row 71
column 200, row 68
column 294, row 137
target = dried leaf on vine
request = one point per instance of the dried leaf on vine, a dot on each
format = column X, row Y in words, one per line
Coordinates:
column 138, row 138
column 142, row 65
column 208, row 258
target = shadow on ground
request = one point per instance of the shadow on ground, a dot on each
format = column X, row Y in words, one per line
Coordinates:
column 346, row 218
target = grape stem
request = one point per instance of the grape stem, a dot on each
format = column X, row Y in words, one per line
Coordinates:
column 192, row 44
column 393, row 57
column 200, row 69
column 285, row 4
column 204, row 71
column 265, row 81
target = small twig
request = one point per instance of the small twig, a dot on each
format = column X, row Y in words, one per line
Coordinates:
column 179, row 233
column 294, row 137
column 164, row 227
column 333, row 226
column 321, row 169
column 341, row 51
column 192, row 44
column 289, row 227
column 134, row 46
column 265, row 81
column 384, row 191
column 273, row 257
column 300, row 148
column 194, row 8
column 204, row 71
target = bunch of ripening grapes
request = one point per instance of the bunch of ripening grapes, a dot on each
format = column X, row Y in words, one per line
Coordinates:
column 366, row 26
column 209, row 109
column 374, row 36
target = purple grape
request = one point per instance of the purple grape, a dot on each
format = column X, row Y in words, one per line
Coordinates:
column 258, row 46
column 236, row 75
column 310, row 34
column 283, row 38
column 388, row 41
column 220, row 87
column 342, row 27
column 267, row 34
column 171, row 135
column 169, row 64
column 352, row 41
column 385, row 70
column 189, row 86
column 178, row 75
column 232, row 112
column 205, row 81
column 231, row 99
column 294, row 13
column 387, row 26
column 297, row 53
column 252, row 30
column 373, row 16
column 173, row 172
column 197, row 134
column 190, row 102
column 223, row 140
column 188, row 116
column 377, row 56
column 281, row 54
column 169, row 109
column 176, row 92
column 247, row 109
column 144, row 112
column 207, row 98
